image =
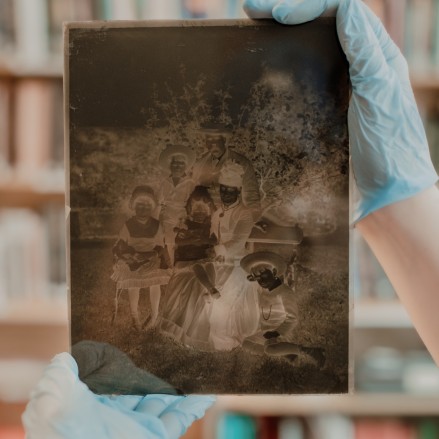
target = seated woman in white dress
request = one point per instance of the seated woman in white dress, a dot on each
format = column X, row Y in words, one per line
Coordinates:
column 234, row 315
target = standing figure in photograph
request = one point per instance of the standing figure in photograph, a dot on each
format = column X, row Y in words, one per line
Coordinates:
column 141, row 259
column 279, row 314
column 207, row 169
column 186, row 305
column 175, row 189
column 234, row 314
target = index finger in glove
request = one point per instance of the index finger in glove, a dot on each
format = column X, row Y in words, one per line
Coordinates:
column 259, row 8
column 302, row 11
column 391, row 51
column 374, row 59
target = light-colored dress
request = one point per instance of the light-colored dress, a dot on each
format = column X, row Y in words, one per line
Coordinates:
column 235, row 315
column 224, row 323
column 172, row 199
column 185, row 313
column 278, row 312
column 141, row 238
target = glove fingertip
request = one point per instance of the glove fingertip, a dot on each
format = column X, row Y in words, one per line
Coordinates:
column 258, row 9
column 298, row 11
column 65, row 360
column 196, row 405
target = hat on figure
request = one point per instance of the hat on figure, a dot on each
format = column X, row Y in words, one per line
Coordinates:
column 216, row 129
column 181, row 151
column 263, row 260
column 144, row 192
column 231, row 174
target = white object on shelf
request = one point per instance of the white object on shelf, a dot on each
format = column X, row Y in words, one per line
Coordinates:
column 290, row 428
column 332, row 426
column 381, row 314
column 421, row 375
column 18, row 378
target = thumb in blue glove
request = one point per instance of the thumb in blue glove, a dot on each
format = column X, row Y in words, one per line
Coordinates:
column 390, row 155
column 62, row 407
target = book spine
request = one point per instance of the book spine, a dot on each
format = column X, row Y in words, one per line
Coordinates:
column 32, row 36
column 394, row 11
column 54, row 222
column 418, row 35
column 7, row 28
column 384, row 428
column 32, row 129
column 5, row 126
column 330, row 426
column 57, row 13
column 291, row 428
column 236, row 426
column 124, row 10
column 151, row 9
column 32, row 255
column 435, row 37
column 83, row 10
column 428, row 429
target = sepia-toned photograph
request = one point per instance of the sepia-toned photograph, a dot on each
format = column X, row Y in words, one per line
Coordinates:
column 208, row 192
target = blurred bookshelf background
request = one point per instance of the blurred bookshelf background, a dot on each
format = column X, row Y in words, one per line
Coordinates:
column 397, row 384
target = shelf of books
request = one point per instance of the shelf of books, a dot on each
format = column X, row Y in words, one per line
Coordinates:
column 309, row 405
column 323, row 425
column 396, row 378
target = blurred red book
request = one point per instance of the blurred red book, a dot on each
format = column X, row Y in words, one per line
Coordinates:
column 11, row 432
column 383, row 429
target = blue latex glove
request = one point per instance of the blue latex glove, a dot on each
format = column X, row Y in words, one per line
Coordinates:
column 389, row 150
column 62, row 407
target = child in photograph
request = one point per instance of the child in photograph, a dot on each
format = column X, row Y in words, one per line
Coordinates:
column 193, row 241
column 141, row 259
column 279, row 314
column 186, row 308
column 175, row 189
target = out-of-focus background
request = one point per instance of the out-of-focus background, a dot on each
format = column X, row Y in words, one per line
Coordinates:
column 396, row 381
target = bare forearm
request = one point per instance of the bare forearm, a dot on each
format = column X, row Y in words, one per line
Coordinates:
column 405, row 239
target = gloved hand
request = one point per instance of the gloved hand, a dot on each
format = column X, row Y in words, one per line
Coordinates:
column 389, row 151
column 62, row 407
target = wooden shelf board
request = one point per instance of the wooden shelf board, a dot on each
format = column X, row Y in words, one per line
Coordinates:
column 17, row 195
column 35, row 312
column 39, row 341
column 52, row 68
column 352, row 405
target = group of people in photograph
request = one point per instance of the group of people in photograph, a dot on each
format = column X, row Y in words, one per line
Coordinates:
column 186, row 243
